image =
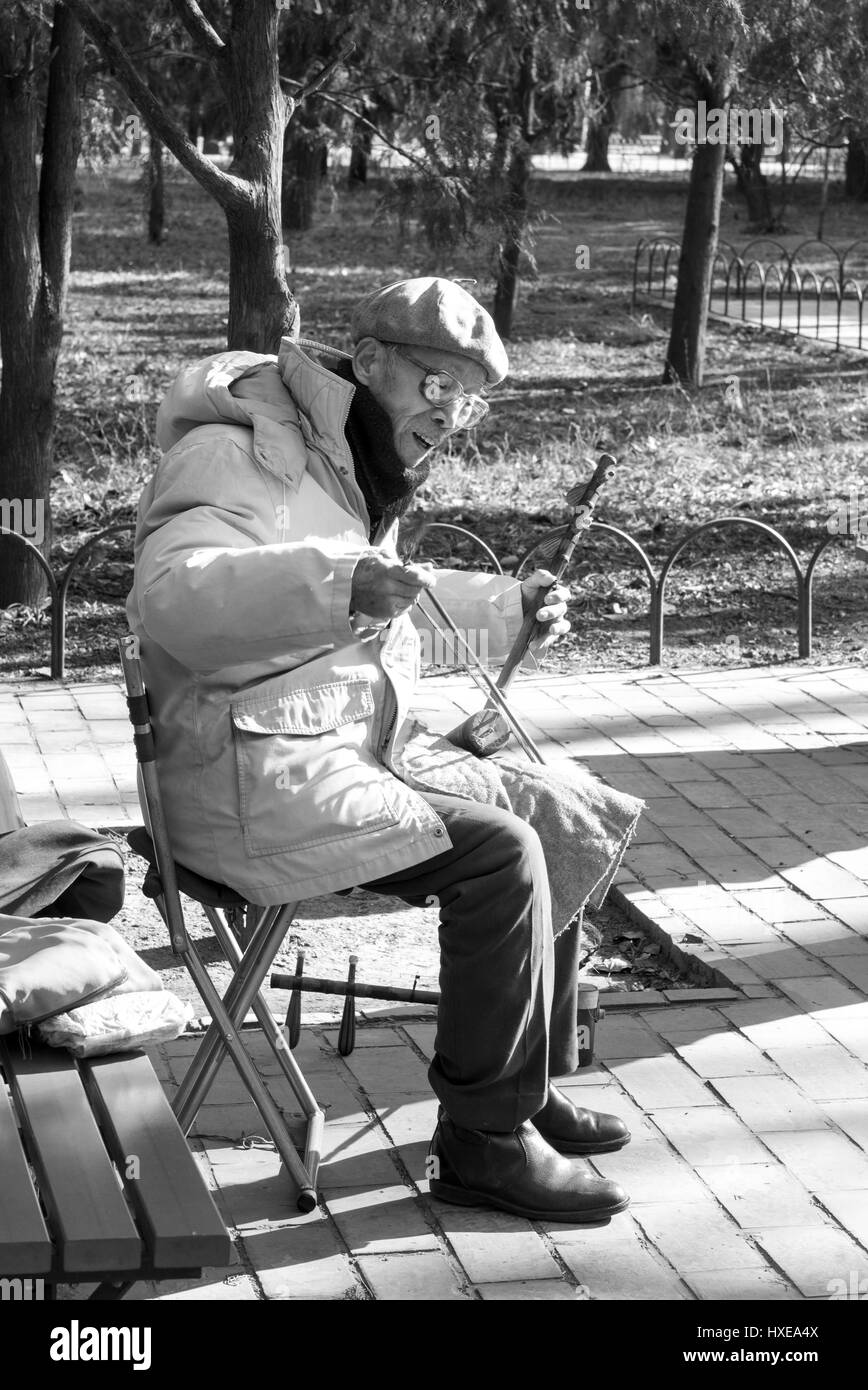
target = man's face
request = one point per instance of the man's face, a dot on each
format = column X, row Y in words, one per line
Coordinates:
column 417, row 425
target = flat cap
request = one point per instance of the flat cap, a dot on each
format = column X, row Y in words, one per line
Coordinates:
column 432, row 313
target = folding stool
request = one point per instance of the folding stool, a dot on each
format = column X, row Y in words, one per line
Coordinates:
column 250, row 937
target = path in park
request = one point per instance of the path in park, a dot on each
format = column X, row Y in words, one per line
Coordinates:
column 748, row 1102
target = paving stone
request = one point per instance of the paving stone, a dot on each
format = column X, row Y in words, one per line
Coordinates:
column 650, row 1172
column 767, row 1103
column 626, row 1036
column 532, row 1290
column 819, row 1261
column 853, row 968
column 722, row 1054
column 228, row 1285
column 674, row 810
column 762, row 1195
column 821, row 1158
column 303, row 1260
column 775, row 1020
column 783, row 960
column 355, row 1157
column 850, row 1209
column 409, row 1278
column 657, row 1082
column 853, row 911
column 493, row 1245
column 632, row 999
column 824, row 881
column 820, row 993
column 390, row 1069
column 692, row 1019
column 825, row 938
column 377, row 1220
column 779, row 905
column 252, row 1189
column 851, row 1116
column 696, row 1236
column 408, row 1120
column 704, row 1136
column 680, row 769
column 710, row 795
column 622, row 1269
column 706, row 996
column 851, row 1033
column 747, row 1285
column 823, row 1073
column 779, row 851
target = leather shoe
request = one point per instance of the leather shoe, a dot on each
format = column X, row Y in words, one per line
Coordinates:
column 573, row 1131
column 520, row 1173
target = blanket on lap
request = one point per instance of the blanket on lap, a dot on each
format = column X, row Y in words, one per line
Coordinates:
column 584, row 825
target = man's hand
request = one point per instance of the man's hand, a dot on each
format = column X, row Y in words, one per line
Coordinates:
column 383, row 587
column 552, row 613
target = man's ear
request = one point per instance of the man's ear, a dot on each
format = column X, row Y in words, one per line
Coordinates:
column 366, row 359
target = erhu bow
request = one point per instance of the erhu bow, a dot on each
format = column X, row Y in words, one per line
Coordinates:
column 488, row 730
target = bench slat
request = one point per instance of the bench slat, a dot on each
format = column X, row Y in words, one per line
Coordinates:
column 25, row 1245
column 176, row 1212
column 88, row 1214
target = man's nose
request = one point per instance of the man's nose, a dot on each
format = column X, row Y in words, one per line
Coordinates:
column 447, row 414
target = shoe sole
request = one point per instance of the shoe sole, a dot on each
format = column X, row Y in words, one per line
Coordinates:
column 563, row 1146
column 466, row 1197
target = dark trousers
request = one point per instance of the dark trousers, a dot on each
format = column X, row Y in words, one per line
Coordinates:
column 507, row 1015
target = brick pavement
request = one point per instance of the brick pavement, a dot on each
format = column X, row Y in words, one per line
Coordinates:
column 749, row 1103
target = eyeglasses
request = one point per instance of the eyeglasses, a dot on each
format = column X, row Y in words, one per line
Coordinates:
column 442, row 388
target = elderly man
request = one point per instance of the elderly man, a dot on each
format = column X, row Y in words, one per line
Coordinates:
column 281, row 657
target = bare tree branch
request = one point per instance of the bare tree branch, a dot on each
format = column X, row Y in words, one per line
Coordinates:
column 363, row 120
column 203, row 34
column 227, row 189
column 322, row 77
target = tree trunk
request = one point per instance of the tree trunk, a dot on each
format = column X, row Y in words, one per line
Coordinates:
column 262, row 308
column 360, row 153
column 302, row 177
column 35, row 240
column 856, row 168
column 754, row 188
column 597, row 148
column 515, row 228
column 156, row 191
column 685, row 356
column 608, row 79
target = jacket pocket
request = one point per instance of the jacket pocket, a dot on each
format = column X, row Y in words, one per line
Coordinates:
column 306, row 776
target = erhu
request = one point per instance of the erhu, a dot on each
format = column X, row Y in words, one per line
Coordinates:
column 489, row 729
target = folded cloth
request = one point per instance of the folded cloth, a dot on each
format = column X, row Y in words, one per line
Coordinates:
column 61, row 868
column 118, row 1023
column 584, row 825
column 49, row 965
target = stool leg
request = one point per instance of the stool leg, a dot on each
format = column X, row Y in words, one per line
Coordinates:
column 347, row 1034
column 293, row 1013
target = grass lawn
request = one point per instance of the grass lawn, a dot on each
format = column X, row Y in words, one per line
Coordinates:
column 585, row 377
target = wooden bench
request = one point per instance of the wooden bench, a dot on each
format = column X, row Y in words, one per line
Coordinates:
column 97, row 1183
